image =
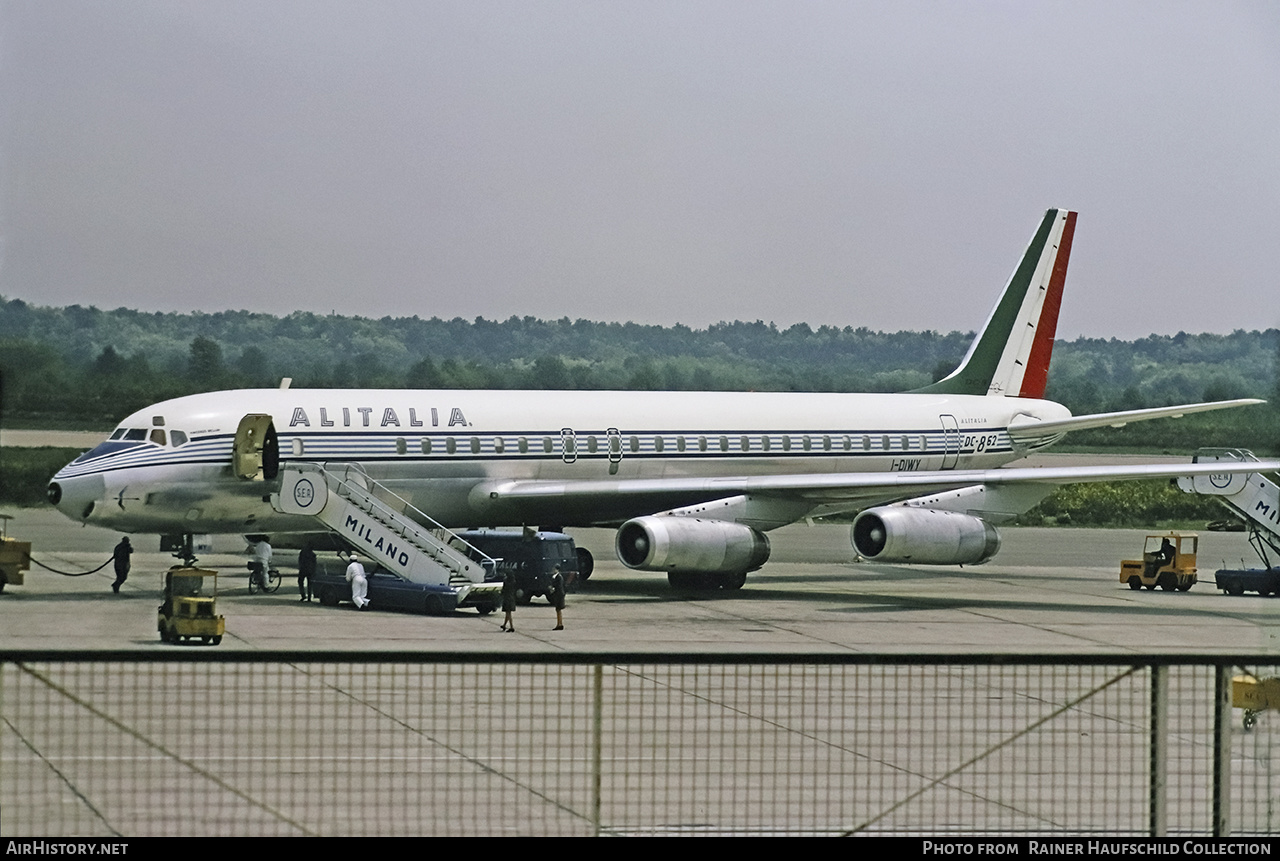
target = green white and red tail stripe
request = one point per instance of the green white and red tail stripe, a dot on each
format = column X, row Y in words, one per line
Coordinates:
column 1010, row 356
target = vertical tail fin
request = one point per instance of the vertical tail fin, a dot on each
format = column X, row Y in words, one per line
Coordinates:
column 1011, row 354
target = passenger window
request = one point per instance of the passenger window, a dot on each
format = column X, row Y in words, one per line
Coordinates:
column 546, row 444
column 702, row 443
column 498, row 445
column 680, row 443
column 591, row 444
column 451, row 445
column 657, row 444
column 635, row 444
column 402, row 447
column 426, row 446
column 475, row 445
column 766, row 442
column 297, row 446
column 524, row 445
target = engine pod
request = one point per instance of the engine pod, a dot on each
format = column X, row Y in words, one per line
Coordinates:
column 923, row 536
column 690, row 544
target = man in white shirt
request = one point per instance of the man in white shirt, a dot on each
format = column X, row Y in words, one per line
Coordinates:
column 359, row 583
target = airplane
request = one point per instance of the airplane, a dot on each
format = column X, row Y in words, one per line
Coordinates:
column 692, row 481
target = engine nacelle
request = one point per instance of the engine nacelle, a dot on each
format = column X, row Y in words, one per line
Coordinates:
column 690, row 544
column 923, row 536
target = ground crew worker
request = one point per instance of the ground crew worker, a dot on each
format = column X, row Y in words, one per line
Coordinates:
column 306, row 570
column 555, row 593
column 120, row 556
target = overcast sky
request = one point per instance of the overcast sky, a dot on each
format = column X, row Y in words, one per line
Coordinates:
column 877, row 164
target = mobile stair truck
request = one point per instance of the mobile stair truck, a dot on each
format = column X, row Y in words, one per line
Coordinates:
column 387, row 529
column 1253, row 498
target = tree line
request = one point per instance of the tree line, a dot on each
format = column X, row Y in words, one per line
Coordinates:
column 84, row 367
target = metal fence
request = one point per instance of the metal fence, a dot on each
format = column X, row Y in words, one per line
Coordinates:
column 203, row 742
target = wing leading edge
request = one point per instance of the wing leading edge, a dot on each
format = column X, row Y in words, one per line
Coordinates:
column 636, row 496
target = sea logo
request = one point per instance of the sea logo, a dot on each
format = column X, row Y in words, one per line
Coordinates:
column 304, row 493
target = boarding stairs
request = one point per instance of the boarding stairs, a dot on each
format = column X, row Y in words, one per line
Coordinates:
column 1251, row 496
column 387, row 528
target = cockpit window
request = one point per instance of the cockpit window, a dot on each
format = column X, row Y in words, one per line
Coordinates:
column 157, row 436
column 177, row 438
column 119, row 434
column 135, row 434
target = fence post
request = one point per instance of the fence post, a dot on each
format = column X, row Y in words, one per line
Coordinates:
column 1159, row 799
column 1222, row 751
column 597, row 724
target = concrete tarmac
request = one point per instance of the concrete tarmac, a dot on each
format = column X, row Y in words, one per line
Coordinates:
column 1049, row 591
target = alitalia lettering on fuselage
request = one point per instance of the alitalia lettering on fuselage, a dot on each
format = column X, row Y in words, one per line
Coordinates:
column 390, row 418
column 376, row 544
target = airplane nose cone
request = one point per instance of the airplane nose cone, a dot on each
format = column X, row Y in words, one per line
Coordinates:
column 76, row 497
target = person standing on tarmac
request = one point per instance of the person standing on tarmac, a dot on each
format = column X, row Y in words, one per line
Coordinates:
column 120, row 556
column 555, row 593
column 509, row 601
column 306, row 570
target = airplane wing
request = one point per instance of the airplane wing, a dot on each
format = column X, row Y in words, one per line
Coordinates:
column 1026, row 430
column 614, row 499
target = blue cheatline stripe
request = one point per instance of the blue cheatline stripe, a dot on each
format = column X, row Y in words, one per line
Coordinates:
column 381, row 446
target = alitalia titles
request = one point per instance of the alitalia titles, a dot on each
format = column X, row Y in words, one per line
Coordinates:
column 365, row 417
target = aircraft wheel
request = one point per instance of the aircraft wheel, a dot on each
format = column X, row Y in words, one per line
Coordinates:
column 586, row 564
column 434, row 606
column 1233, row 587
column 327, row 598
column 485, row 609
column 1135, row 583
column 523, row 598
column 734, row 580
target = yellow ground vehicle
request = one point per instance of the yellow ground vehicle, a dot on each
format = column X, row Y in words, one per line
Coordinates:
column 1254, row 695
column 1168, row 561
column 15, row 556
column 189, row 610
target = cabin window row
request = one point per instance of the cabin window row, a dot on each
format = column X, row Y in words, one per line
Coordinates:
column 594, row 444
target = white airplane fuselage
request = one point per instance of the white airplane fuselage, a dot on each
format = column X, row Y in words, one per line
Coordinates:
column 444, row 450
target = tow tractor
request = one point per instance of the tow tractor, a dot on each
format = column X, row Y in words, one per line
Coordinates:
column 189, row 610
column 1168, row 561
column 15, row 556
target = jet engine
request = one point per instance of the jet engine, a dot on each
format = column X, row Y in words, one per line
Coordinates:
column 690, row 544
column 924, row 536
